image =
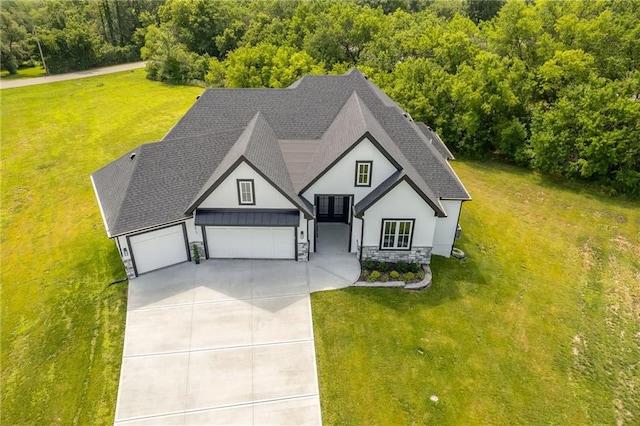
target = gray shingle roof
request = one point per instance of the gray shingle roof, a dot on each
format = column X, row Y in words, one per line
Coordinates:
column 271, row 129
column 435, row 140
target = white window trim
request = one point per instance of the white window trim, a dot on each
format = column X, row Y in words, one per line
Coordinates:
column 241, row 193
column 396, row 234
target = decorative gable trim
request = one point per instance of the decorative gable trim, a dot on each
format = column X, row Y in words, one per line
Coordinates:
column 367, row 136
column 306, row 210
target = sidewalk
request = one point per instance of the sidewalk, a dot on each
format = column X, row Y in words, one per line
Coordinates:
column 10, row 84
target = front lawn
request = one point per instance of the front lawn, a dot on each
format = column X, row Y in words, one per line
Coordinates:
column 24, row 72
column 540, row 325
column 62, row 326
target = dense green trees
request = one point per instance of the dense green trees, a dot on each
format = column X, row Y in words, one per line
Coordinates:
column 548, row 84
column 74, row 35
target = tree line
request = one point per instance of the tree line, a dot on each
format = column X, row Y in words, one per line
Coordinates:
column 548, row 84
column 71, row 35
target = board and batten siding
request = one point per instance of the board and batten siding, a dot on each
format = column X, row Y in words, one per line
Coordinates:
column 402, row 202
column 340, row 179
column 444, row 236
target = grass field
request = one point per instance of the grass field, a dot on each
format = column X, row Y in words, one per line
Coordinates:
column 540, row 325
column 26, row 72
column 62, row 327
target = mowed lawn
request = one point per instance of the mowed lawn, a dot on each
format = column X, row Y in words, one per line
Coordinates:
column 540, row 325
column 62, row 326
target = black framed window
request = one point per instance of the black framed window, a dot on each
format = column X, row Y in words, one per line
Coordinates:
column 397, row 234
column 246, row 192
column 363, row 173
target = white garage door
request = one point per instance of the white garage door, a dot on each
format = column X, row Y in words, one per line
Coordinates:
column 157, row 249
column 253, row 243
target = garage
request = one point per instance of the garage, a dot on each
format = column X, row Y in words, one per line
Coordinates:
column 157, row 249
column 251, row 242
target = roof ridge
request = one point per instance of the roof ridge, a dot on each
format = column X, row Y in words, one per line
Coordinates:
column 129, row 182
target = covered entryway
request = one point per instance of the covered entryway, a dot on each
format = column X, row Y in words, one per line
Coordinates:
column 333, row 208
column 251, row 243
column 157, row 249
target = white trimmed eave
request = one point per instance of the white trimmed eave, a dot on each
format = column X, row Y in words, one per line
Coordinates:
column 104, row 219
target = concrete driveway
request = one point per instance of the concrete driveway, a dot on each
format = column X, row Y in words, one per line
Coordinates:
column 225, row 342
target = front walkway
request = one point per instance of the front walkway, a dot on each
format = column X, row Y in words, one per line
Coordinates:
column 225, row 342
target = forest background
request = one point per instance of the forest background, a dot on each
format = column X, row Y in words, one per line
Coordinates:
column 550, row 85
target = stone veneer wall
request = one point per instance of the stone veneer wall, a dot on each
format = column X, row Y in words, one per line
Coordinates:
column 200, row 246
column 416, row 254
column 303, row 251
column 128, row 268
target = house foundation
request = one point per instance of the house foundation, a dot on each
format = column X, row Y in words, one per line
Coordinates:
column 415, row 255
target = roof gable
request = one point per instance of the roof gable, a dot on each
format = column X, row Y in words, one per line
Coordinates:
column 258, row 147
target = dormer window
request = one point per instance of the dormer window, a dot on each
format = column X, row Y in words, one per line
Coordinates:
column 246, row 194
column 363, row 173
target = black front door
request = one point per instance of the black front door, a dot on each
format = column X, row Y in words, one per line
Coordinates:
column 332, row 208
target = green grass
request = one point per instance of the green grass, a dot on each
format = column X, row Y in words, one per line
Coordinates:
column 62, row 326
column 25, row 72
column 540, row 325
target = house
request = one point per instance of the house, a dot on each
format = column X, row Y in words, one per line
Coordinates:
column 260, row 173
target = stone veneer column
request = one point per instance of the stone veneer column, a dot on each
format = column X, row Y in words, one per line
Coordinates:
column 303, row 251
column 200, row 246
column 128, row 268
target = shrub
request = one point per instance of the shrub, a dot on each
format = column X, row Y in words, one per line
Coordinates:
column 373, row 276
column 368, row 265
column 196, row 254
column 420, row 275
column 415, row 267
column 394, row 274
column 402, row 267
column 384, row 278
column 383, row 266
column 408, row 276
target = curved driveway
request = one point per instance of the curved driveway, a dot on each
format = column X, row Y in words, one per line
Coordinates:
column 225, row 342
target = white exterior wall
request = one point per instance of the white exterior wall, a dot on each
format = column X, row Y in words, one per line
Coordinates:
column 310, row 230
column 341, row 178
column 302, row 227
column 226, row 194
column 355, row 234
column 446, row 228
column 194, row 233
column 122, row 244
column 402, row 202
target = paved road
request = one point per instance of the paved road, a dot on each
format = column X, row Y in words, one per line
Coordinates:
column 225, row 342
column 10, row 84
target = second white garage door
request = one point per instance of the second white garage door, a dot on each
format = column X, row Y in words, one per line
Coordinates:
column 157, row 249
column 252, row 243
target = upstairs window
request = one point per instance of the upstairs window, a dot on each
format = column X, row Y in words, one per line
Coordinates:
column 246, row 195
column 363, row 173
column 396, row 234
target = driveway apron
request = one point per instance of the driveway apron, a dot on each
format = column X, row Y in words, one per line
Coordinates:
column 223, row 342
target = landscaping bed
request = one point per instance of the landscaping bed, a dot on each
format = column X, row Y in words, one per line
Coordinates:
column 408, row 273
